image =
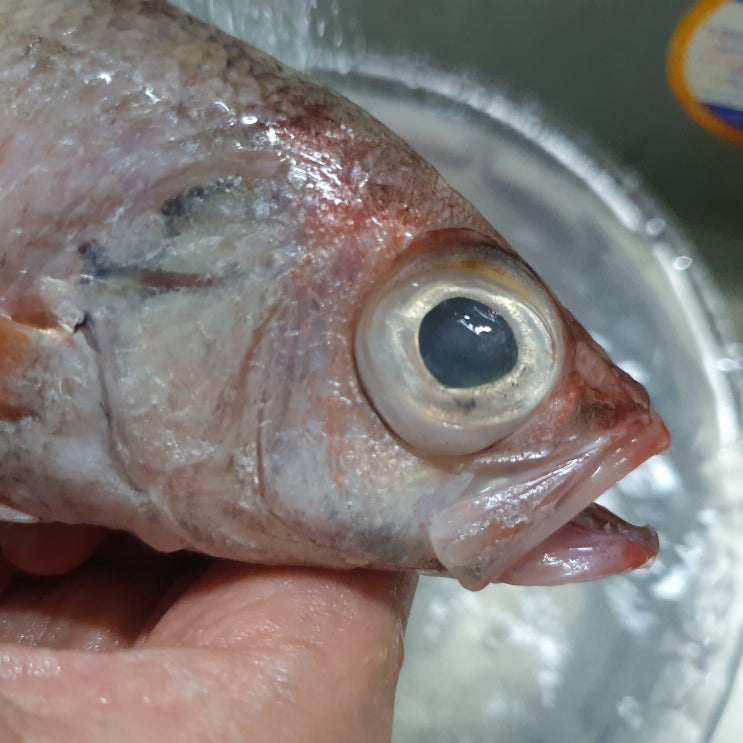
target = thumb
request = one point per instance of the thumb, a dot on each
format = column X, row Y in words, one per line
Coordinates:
column 319, row 652
column 246, row 653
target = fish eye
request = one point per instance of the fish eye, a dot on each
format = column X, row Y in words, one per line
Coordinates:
column 458, row 345
column 464, row 343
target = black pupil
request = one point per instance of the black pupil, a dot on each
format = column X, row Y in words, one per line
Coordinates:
column 464, row 343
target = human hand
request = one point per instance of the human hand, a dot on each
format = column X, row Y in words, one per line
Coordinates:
column 128, row 644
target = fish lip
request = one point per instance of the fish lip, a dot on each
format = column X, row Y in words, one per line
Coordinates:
column 612, row 467
column 594, row 520
column 610, row 460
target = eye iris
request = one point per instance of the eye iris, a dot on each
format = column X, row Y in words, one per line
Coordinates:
column 464, row 343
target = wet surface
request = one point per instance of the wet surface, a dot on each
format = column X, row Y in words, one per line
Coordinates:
column 651, row 655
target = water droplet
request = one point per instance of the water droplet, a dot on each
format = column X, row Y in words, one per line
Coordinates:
column 654, row 227
column 682, row 262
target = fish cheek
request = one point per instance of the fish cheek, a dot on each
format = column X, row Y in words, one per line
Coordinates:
column 176, row 300
column 170, row 365
column 328, row 464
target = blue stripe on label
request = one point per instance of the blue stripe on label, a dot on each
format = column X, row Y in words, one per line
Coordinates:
column 732, row 116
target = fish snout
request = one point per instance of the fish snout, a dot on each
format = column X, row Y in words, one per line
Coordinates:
column 527, row 514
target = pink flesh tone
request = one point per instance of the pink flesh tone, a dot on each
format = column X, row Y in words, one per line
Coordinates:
column 545, row 529
column 595, row 543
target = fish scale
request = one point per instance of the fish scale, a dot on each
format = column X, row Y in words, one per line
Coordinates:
column 211, row 295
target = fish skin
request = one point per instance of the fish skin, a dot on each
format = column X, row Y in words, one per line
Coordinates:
column 198, row 387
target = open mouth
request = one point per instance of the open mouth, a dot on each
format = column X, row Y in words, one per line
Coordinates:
column 594, row 543
column 566, row 537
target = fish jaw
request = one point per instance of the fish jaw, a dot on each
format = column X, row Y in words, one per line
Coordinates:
column 541, row 527
column 595, row 544
column 523, row 513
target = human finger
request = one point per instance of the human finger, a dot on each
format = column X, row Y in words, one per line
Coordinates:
column 245, row 653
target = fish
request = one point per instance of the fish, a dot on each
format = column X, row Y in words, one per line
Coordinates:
column 241, row 317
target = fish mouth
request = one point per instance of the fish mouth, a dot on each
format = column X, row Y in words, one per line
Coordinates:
column 546, row 529
column 595, row 544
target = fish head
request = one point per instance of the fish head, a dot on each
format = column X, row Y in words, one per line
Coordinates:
column 521, row 418
column 455, row 402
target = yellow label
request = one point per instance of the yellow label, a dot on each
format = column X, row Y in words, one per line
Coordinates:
column 705, row 66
